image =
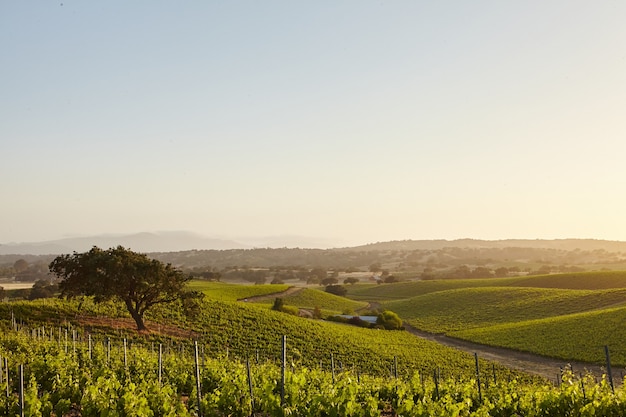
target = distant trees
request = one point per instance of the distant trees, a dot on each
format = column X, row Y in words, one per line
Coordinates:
column 20, row 265
column 119, row 273
column 337, row 290
column 351, row 280
column 389, row 279
column 329, row 281
column 26, row 272
column 42, row 289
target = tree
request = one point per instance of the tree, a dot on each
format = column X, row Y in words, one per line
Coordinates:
column 279, row 303
column 337, row 290
column 390, row 279
column 351, row 280
column 119, row 273
column 20, row 265
column 389, row 320
column 42, row 289
column 329, row 281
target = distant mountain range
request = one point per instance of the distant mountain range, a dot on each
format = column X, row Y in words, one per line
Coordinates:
column 177, row 241
column 561, row 244
column 173, row 241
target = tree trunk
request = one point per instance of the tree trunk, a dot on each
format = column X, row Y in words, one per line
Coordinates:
column 136, row 315
column 139, row 320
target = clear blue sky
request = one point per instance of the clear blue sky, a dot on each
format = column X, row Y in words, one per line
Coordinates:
column 358, row 121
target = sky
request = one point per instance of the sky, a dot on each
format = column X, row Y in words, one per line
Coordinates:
column 355, row 121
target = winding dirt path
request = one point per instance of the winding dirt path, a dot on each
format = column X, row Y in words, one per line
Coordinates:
column 545, row 367
column 549, row 368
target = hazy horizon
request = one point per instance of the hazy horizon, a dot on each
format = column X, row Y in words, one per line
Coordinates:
column 347, row 121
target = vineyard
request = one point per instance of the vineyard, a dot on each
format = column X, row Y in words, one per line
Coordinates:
column 310, row 298
column 80, row 358
column 232, row 292
column 453, row 310
column 573, row 281
column 570, row 316
column 59, row 372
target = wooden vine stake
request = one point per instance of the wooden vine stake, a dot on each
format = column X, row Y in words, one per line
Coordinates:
column 198, row 387
column 608, row 367
column 250, row 385
column 283, row 366
column 21, row 390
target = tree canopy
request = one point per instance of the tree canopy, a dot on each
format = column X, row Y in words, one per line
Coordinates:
column 133, row 278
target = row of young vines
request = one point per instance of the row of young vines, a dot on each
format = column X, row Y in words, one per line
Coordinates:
column 104, row 378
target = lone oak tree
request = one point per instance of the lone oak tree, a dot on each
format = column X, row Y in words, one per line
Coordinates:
column 135, row 279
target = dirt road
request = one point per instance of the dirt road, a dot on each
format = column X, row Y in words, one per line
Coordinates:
column 548, row 368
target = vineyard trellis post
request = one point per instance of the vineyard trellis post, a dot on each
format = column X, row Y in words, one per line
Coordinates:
column 160, row 362
column 125, row 356
column 6, row 370
column 395, row 367
column 21, row 371
column 332, row 366
column 250, row 386
column 608, row 367
column 198, row 387
column 582, row 387
column 480, row 394
column 282, row 370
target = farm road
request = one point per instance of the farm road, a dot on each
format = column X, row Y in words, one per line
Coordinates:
column 548, row 368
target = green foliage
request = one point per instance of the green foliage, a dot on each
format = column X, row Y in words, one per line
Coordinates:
column 389, row 320
column 459, row 309
column 309, row 298
column 579, row 337
column 131, row 277
column 339, row 290
column 567, row 316
column 232, row 292
column 245, row 330
column 42, row 289
column 96, row 384
column 279, row 303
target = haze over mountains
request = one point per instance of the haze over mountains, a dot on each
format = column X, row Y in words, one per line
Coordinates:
column 172, row 241
column 175, row 241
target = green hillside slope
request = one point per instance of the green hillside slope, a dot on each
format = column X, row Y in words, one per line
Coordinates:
column 579, row 337
column 467, row 308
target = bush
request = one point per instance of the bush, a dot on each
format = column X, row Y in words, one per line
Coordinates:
column 389, row 320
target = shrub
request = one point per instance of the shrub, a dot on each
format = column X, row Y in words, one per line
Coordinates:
column 389, row 320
